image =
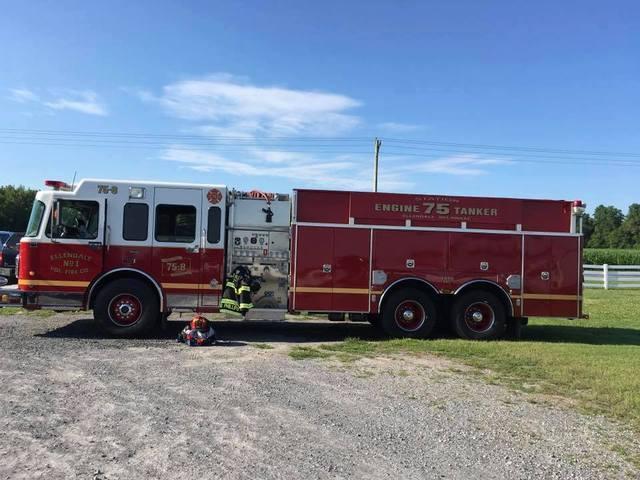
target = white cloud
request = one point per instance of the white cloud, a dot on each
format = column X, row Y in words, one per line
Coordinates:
column 23, row 95
column 469, row 164
column 231, row 106
column 83, row 101
column 80, row 101
column 395, row 127
column 246, row 120
column 340, row 172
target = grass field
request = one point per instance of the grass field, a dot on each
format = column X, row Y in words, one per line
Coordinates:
column 612, row 256
column 595, row 361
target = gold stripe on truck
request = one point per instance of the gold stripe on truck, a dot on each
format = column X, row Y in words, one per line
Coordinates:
column 53, row 283
column 191, row 286
column 363, row 291
column 546, row 296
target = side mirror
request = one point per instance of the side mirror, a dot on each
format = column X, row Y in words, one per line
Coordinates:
column 3, row 281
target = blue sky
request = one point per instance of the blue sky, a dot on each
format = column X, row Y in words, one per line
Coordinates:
column 277, row 95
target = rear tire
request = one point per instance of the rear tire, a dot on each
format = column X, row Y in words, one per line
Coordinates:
column 126, row 308
column 409, row 313
column 479, row 315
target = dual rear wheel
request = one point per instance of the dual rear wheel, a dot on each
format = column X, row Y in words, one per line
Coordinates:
column 413, row 313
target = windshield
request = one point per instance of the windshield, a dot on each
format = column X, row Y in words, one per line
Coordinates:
column 37, row 211
column 3, row 237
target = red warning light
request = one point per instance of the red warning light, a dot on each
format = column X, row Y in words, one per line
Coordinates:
column 57, row 184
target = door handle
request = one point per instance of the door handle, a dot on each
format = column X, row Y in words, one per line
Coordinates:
column 95, row 245
column 326, row 268
column 544, row 276
column 192, row 249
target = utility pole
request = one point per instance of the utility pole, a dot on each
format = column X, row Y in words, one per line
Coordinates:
column 376, row 149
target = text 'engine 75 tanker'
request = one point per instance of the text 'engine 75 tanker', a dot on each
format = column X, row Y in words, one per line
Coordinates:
column 136, row 251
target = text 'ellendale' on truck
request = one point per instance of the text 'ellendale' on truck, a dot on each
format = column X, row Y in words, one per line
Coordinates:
column 136, row 251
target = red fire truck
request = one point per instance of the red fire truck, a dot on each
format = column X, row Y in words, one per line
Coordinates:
column 134, row 252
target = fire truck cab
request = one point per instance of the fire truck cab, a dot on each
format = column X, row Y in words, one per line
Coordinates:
column 134, row 252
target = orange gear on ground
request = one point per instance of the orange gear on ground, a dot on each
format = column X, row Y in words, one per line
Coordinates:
column 199, row 322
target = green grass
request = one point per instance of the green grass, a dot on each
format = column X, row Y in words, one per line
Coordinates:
column 612, row 256
column 22, row 311
column 263, row 346
column 595, row 361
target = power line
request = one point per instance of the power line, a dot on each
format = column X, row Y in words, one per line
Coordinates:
column 318, row 145
column 574, row 162
column 506, row 147
column 567, row 161
column 177, row 147
column 507, row 154
column 182, row 136
column 264, row 138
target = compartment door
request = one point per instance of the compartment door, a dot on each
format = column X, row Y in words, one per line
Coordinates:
column 313, row 269
column 536, row 284
column 351, row 269
column 212, row 247
column 551, row 276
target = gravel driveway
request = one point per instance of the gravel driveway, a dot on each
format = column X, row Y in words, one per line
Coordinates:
column 73, row 405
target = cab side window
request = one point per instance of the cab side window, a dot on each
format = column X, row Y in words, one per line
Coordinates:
column 213, row 224
column 135, row 222
column 74, row 219
column 175, row 223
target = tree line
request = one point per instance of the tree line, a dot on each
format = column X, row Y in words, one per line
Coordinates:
column 15, row 207
column 608, row 227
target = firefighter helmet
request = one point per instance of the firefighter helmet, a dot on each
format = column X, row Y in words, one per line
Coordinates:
column 198, row 322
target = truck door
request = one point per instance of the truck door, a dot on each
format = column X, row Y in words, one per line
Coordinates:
column 75, row 254
column 551, row 276
column 213, row 242
column 176, row 244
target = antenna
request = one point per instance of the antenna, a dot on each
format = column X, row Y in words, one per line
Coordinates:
column 73, row 182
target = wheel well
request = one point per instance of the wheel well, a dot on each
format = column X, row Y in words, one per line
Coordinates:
column 489, row 287
column 416, row 283
column 120, row 275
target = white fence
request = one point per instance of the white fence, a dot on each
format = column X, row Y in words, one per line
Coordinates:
column 611, row 276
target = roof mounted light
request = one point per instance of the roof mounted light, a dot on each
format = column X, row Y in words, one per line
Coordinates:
column 136, row 192
column 579, row 207
column 57, row 185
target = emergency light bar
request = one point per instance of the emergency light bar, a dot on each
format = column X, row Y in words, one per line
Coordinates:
column 579, row 207
column 57, row 185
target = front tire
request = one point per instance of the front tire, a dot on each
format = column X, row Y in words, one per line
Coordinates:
column 409, row 313
column 479, row 315
column 127, row 307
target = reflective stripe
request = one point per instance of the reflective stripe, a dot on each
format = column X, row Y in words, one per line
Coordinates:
column 191, row 286
column 353, row 291
column 246, row 305
column 53, row 283
column 545, row 296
